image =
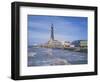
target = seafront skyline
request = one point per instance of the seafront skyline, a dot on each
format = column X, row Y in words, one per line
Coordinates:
column 65, row 28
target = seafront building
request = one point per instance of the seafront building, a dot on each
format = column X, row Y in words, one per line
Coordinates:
column 80, row 43
column 66, row 44
column 83, row 43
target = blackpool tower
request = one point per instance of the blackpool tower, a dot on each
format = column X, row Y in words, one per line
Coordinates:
column 52, row 33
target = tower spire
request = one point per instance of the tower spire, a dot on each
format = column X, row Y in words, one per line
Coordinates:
column 52, row 32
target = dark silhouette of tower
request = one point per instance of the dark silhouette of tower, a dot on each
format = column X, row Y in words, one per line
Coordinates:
column 52, row 33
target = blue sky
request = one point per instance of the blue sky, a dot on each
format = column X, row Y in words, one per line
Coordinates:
column 66, row 28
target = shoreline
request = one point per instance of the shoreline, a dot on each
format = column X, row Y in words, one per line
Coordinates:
column 75, row 49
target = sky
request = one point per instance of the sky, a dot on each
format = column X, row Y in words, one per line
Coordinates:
column 66, row 28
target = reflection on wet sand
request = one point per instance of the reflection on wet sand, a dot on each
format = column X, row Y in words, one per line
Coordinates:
column 49, row 52
column 50, row 57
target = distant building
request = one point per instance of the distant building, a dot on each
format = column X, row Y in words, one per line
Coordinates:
column 72, row 46
column 79, row 43
column 66, row 44
column 76, row 43
column 83, row 43
column 55, row 44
